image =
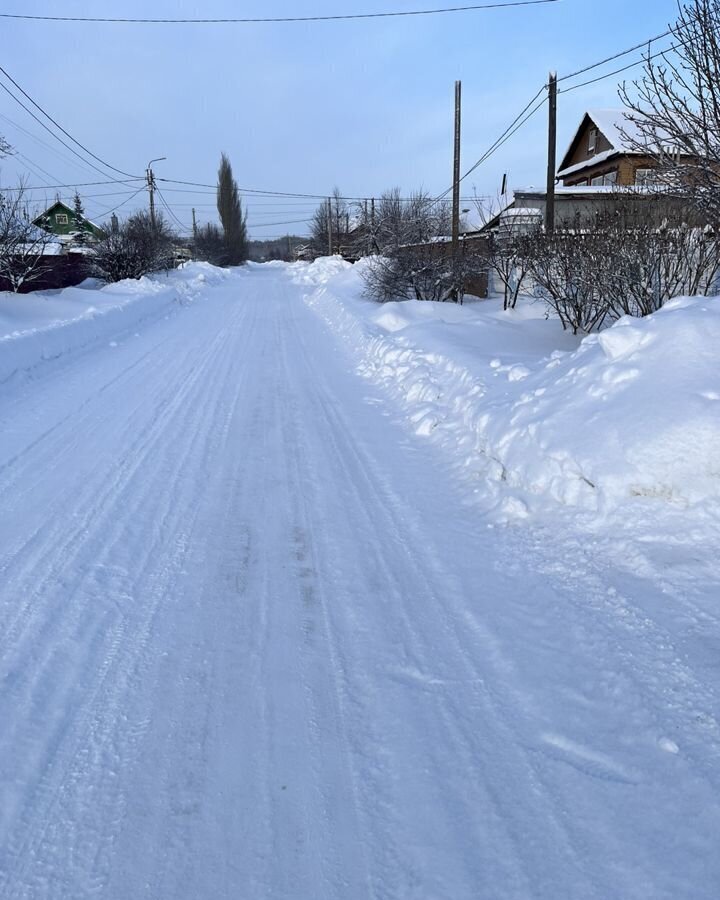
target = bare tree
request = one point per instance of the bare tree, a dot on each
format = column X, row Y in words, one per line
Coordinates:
column 334, row 223
column 23, row 246
column 675, row 108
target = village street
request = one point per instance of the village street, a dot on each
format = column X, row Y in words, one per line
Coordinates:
column 254, row 644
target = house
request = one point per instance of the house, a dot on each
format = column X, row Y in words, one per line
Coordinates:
column 605, row 151
column 602, row 171
column 61, row 220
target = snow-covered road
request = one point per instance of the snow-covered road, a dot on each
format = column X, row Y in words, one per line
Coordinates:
column 254, row 644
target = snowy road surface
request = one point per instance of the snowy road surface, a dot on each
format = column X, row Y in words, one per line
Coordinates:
column 253, row 644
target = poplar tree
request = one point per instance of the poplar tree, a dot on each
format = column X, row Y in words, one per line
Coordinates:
column 231, row 215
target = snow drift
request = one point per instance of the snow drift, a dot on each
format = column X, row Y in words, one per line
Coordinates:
column 43, row 326
column 632, row 412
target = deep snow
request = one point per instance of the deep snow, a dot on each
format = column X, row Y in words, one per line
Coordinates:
column 264, row 634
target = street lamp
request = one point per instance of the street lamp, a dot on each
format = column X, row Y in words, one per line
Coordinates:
column 151, row 187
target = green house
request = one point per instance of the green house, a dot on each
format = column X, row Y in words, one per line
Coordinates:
column 60, row 219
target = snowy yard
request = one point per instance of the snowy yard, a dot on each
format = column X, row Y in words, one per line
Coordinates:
column 307, row 597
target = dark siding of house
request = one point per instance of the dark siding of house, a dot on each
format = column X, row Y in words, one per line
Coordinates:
column 61, row 272
column 579, row 152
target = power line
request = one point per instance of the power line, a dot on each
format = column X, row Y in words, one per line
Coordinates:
column 637, row 62
column 273, row 224
column 77, row 184
column 608, row 59
column 279, row 19
column 58, row 125
column 106, row 212
column 49, row 130
column 54, row 150
column 514, row 126
column 170, row 211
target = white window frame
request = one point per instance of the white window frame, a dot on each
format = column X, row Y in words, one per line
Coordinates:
column 645, row 175
column 61, row 219
column 592, row 140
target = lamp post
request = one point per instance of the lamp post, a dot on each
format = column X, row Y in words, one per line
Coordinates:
column 151, row 187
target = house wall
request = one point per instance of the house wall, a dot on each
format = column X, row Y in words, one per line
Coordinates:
column 55, row 228
column 580, row 152
column 625, row 166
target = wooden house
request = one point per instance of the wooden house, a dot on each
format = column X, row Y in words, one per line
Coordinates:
column 605, row 151
column 60, row 220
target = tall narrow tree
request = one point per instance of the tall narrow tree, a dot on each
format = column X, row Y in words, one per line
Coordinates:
column 231, row 214
column 81, row 234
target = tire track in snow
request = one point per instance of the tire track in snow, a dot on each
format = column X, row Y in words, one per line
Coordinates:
column 97, row 708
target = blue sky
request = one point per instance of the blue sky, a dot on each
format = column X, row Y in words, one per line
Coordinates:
column 364, row 105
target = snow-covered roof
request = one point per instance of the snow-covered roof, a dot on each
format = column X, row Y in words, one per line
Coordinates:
column 620, row 129
column 593, row 161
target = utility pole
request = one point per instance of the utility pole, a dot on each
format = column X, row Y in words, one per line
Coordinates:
column 151, row 190
column 552, row 148
column 456, row 175
column 150, row 178
column 329, row 226
column 194, row 225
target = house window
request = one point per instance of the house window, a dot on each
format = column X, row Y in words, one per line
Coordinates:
column 61, row 219
column 592, row 140
column 597, row 180
column 645, row 176
column 610, row 177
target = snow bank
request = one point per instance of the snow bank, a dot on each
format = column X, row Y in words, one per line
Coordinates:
column 43, row 326
column 533, row 414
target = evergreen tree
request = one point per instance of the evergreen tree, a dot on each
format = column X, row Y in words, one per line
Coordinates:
column 81, row 234
column 231, row 215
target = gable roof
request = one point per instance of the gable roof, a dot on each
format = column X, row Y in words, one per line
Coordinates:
column 59, row 206
column 619, row 129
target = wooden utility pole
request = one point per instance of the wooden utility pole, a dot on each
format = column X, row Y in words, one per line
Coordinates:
column 329, row 226
column 456, row 174
column 552, row 147
column 194, row 225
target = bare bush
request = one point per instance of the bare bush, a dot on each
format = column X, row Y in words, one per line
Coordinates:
column 415, row 257
column 624, row 263
column 23, row 246
column 209, row 245
column 137, row 247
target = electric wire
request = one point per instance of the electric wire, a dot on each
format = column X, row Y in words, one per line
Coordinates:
column 170, row 211
column 280, row 19
column 50, row 131
column 58, row 125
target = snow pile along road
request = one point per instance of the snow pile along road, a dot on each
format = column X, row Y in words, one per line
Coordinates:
column 633, row 412
column 42, row 326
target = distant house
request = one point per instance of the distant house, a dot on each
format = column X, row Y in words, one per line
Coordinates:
column 60, row 220
column 605, row 151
